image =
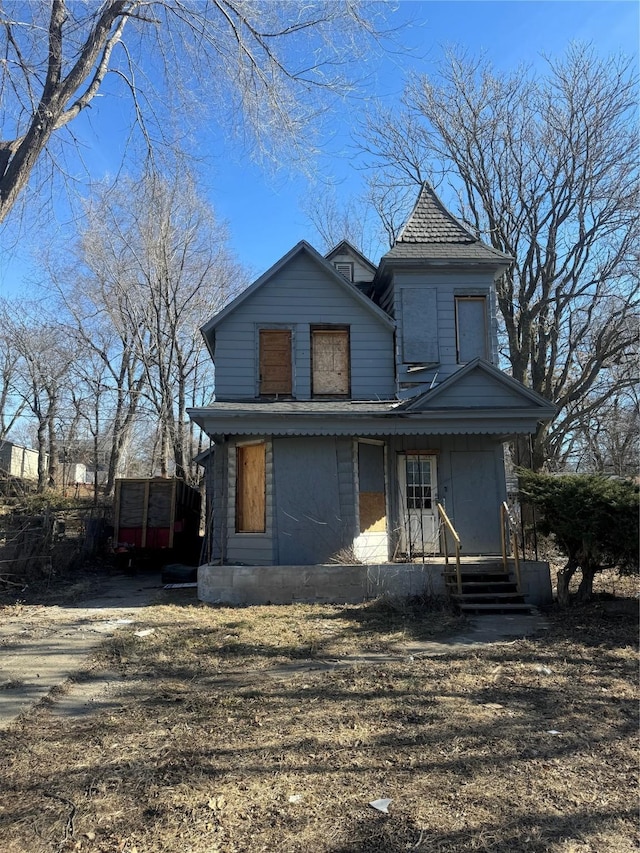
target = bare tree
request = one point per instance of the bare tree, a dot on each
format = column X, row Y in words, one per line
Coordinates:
column 268, row 70
column 606, row 437
column 94, row 309
column 46, row 355
column 152, row 264
column 354, row 221
column 11, row 403
column 545, row 169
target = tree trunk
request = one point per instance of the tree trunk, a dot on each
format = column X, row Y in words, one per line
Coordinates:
column 42, row 454
column 563, row 580
column 585, row 590
column 52, row 478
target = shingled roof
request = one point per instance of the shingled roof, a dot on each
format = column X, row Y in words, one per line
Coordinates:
column 431, row 232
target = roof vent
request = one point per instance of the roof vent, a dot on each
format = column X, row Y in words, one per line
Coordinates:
column 345, row 268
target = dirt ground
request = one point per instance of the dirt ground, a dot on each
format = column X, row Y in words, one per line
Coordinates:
column 196, row 728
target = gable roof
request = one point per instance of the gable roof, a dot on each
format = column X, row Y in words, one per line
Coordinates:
column 301, row 247
column 345, row 247
column 481, row 385
column 432, row 233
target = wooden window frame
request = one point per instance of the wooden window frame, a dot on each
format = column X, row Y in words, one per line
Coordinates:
column 274, row 394
column 257, row 513
column 331, row 328
column 472, row 297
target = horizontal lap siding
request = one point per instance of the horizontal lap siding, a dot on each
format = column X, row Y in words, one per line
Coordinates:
column 360, row 271
column 301, row 295
column 448, row 286
column 491, row 396
column 347, row 488
column 215, row 507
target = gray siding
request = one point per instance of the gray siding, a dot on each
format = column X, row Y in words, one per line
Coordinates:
column 314, row 499
column 360, row 271
column 448, row 285
column 311, row 497
column 215, row 468
column 470, row 485
column 420, row 325
column 301, row 295
column 478, row 488
column 477, row 390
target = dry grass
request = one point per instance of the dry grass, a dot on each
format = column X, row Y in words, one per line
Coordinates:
column 223, row 737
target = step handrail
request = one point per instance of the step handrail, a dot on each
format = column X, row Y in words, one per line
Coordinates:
column 448, row 526
column 508, row 530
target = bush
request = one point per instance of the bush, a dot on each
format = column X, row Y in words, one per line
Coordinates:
column 593, row 519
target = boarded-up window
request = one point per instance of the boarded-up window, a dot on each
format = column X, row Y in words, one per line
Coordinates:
column 471, row 328
column 250, row 488
column 330, row 362
column 420, row 325
column 275, row 361
column 371, row 497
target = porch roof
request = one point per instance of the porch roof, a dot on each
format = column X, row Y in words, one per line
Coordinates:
column 358, row 418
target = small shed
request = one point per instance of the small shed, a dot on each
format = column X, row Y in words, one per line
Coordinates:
column 157, row 513
column 18, row 461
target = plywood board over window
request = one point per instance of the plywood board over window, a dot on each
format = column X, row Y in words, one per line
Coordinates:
column 251, row 488
column 372, row 502
column 330, row 362
column 275, row 362
column 471, row 328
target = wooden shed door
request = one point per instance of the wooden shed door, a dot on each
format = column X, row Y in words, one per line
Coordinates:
column 330, row 359
column 275, row 361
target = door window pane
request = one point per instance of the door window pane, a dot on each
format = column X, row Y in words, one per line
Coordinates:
column 418, row 482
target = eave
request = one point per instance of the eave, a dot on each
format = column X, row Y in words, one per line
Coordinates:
column 243, row 421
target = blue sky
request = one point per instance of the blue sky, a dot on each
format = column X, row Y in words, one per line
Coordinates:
column 265, row 210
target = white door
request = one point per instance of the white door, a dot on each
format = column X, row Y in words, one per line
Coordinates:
column 418, row 516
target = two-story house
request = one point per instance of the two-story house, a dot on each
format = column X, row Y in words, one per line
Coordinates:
column 351, row 399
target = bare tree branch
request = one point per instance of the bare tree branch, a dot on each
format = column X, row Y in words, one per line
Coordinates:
column 265, row 70
column 546, row 170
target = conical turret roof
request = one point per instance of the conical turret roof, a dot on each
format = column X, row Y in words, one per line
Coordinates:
column 431, row 232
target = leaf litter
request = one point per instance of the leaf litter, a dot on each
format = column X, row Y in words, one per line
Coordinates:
column 202, row 752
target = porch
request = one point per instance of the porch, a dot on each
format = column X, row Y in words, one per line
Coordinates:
column 353, row 583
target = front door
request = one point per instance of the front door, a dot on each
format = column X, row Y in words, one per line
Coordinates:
column 419, row 523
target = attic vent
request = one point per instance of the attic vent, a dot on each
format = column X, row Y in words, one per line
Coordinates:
column 345, row 268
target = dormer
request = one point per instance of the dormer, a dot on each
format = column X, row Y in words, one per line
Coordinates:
column 353, row 265
column 438, row 282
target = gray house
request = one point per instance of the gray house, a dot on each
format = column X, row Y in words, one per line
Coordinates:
column 351, row 399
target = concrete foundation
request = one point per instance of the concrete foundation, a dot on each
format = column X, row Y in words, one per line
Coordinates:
column 343, row 584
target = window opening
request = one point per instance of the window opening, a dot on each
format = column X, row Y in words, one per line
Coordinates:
column 251, row 488
column 330, row 371
column 275, row 362
column 471, row 328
